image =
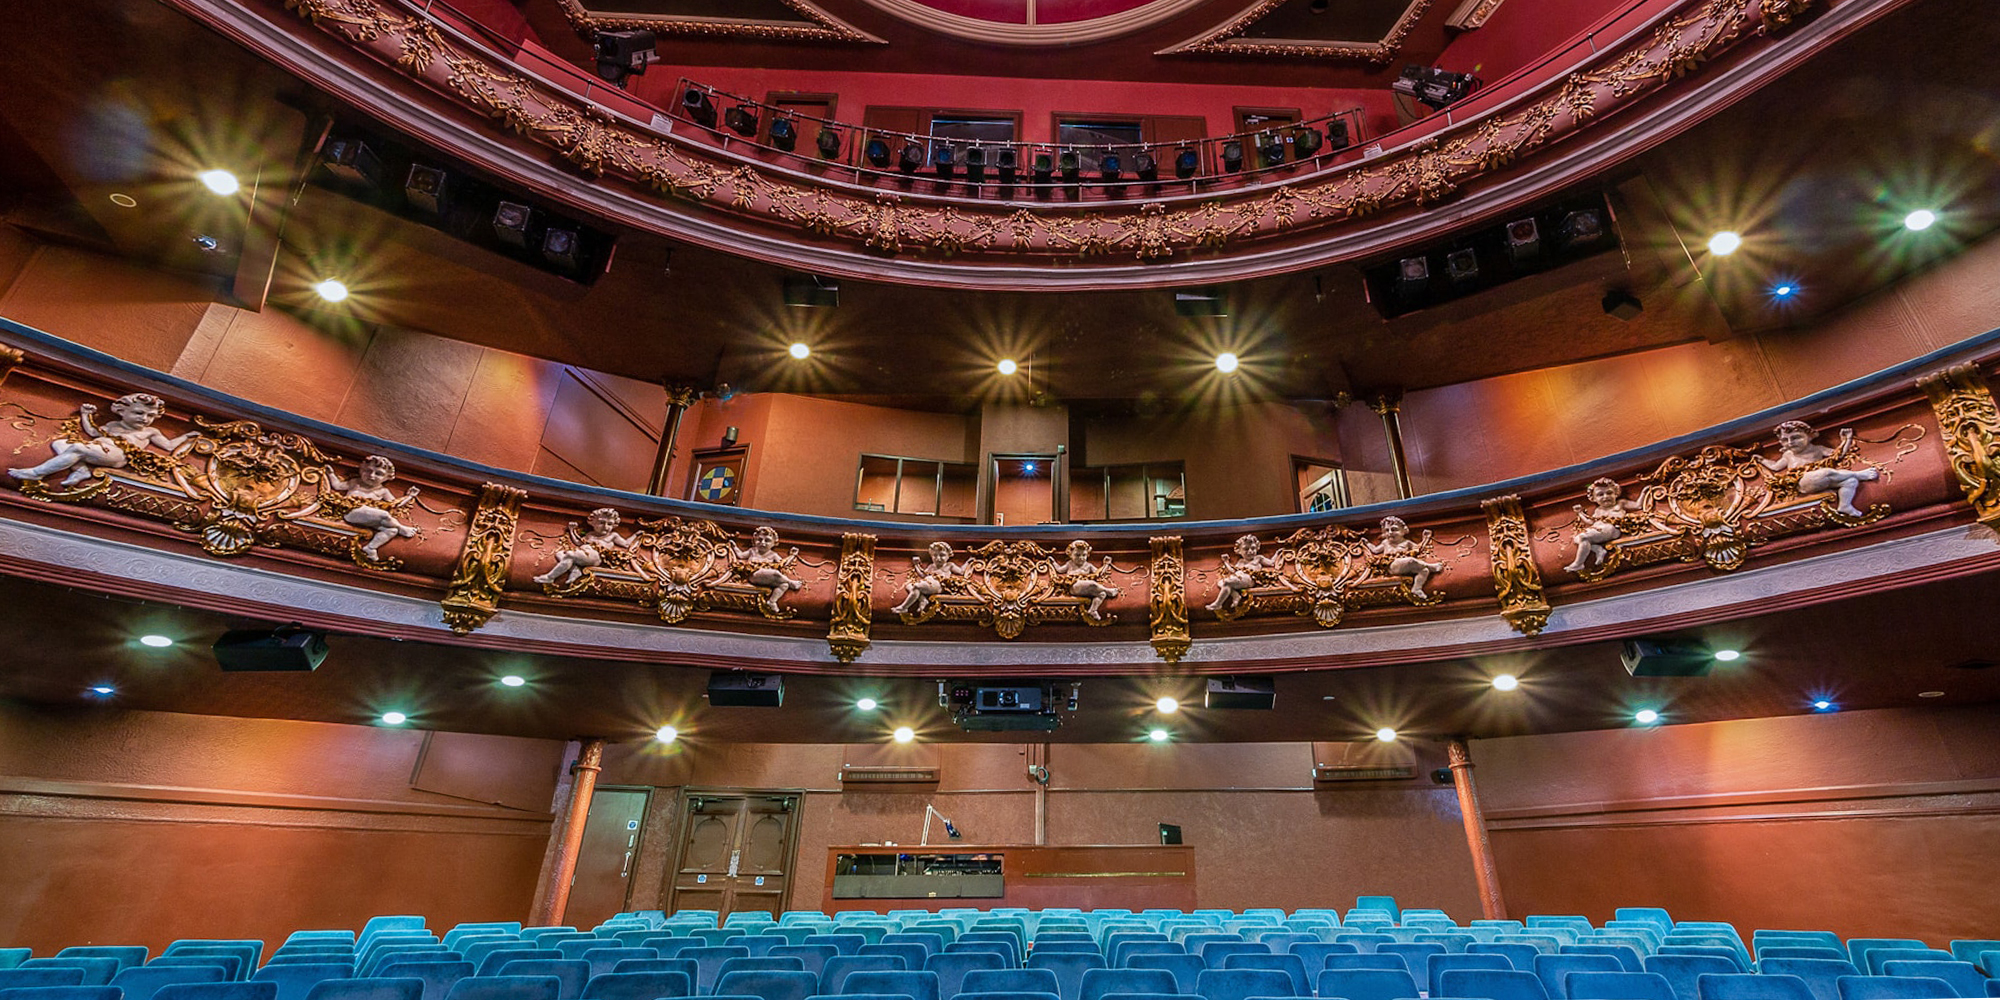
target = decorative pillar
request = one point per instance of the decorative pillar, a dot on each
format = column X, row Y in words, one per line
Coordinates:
column 1388, row 406
column 853, row 588
column 1969, row 421
column 1483, row 870
column 1166, row 602
column 679, row 398
column 473, row 595
column 554, row 894
column 1516, row 579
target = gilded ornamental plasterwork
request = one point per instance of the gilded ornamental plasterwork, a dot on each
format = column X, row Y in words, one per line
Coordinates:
column 1970, row 423
column 1228, row 38
column 813, row 25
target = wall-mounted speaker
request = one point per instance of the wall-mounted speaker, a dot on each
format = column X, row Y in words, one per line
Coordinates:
column 1242, row 692
column 739, row 689
column 290, row 648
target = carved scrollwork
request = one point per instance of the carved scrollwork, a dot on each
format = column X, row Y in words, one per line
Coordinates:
column 473, row 595
column 1003, row 585
column 1970, row 422
column 1324, row 573
column 1516, row 579
column 677, row 566
column 1167, row 618
column 853, row 587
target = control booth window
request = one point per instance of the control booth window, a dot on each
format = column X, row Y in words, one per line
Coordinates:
column 1125, row 135
column 1146, row 491
column 891, row 484
column 935, row 127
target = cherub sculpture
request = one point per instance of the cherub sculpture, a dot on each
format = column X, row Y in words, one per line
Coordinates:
column 1814, row 465
column 1087, row 580
column 370, row 487
column 590, row 547
column 107, row 448
column 1403, row 554
column 1240, row 575
column 761, row 566
column 929, row 578
column 1598, row 526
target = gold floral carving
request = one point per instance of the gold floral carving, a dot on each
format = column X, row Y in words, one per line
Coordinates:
column 678, row 566
column 10, row 359
column 1006, row 586
column 1147, row 230
column 1167, row 617
column 1324, row 573
column 1970, row 422
column 473, row 595
column 1516, row 578
column 1227, row 38
column 853, row 587
column 815, row 25
column 1472, row 14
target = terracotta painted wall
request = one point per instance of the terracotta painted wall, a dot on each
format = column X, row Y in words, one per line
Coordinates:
column 143, row 827
column 1879, row 823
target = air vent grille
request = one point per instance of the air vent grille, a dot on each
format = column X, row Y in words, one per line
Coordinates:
column 869, row 774
column 1363, row 772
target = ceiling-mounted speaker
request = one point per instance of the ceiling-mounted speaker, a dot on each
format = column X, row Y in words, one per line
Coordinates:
column 1259, row 693
column 1666, row 657
column 282, row 649
column 744, row 690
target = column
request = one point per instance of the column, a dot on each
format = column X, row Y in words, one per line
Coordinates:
column 679, row 398
column 1483, row 870
column 554, row 893
column 1388, row 406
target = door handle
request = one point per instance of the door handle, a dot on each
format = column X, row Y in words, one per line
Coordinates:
column 626, row 871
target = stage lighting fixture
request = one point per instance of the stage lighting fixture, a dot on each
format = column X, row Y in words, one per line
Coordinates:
column 741, row 119
column 1336, row 134
column 625, row 54
column 1621, row 305
column 1462, row 266
column 1007, row 161
column 1187, row 163
column 1305, row 142
column 1109, row 166
column 1524, row 241
column 512, row 223
column 1582, row 228
column 1071, row 164
column 1433, row 86
column 1232, row 155
column 975, row 164
column 424, row 189
column 1271, row 149
column 562, row 248
column 1045, row 168
column 1146, row 167
column 828, row 143
column 808, row 290
column 944, row 159
column 1413, row 275
column 784, row 134
column 876, row 150
column 911, row 159
column 699, row 109
column 352, row 161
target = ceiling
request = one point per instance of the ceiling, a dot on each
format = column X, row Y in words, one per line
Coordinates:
column 1859, row 653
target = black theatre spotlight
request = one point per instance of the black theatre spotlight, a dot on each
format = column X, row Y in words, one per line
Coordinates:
column 1232, row 155
column 1071, row 164
column 877, row 151
column 1582, row 228
column 1187, row 163
column 424, row 189
column 828, row 143
column 911, row 159
column 1462, row 266
column 1524, row 241
column 944, row 157
column 1045, row 168
column 975, row 164
column 1305, row 142
column 741, row 119
column 352, row 161
column 1145, row 166
column 1336, row 134
column 514, row 224
column 696, row 105
column 1413, row 275
column 1007, row 161
column 1109, row 166
column 784, row 133
column 623, row 54
column 562, row 248
column 1271, row 149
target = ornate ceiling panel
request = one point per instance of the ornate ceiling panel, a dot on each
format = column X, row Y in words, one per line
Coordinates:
column 1370, row 32
column 1034, row 22
column 760, row 20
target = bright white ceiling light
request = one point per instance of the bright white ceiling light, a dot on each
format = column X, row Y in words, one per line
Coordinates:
column 219, row 181
column 331, row 289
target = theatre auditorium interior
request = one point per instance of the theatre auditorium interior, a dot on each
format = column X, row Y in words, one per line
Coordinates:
column 999, row 499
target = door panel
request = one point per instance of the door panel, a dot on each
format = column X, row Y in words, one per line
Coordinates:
column 602, row 882
column 737, row 851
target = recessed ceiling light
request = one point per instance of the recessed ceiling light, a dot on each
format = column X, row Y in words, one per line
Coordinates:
column 1724, row 243
column 1008, row 367
column 394, row 718
column 513, row 680
column 331, row 289
column 1822, row 705
column 666, row 734
column 1158, row 735
column 1505, row 682
column 219, row 181
column 156, row 641
column 904, row 734
column 1919, row 220
column 1784, row 290
column 1645, row 717
column 1385, row 734
column 104, row 690
column 1226, row 362
column 801, row 351
column 1930, row 694
column 1728, row 655
column 867, row 704
column 123, row 200
column 1168, row 705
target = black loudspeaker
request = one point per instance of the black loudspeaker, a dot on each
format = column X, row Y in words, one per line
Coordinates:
column 1441, row 776
column 1666, row 657
column 1170, row 833
column 290, row 648
column 1242, row 692
column 746, row 690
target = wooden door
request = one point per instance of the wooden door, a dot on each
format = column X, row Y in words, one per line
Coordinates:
column 737, row 851
column 602, row 884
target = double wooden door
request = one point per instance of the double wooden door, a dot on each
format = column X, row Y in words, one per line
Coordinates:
column 736, row 851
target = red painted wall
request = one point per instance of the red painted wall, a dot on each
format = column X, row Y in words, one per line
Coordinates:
column 1520, row 32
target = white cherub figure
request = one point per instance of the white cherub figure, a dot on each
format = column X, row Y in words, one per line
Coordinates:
column 928, row 578
column 370, row 485
column 1086, row 576
column 1598, row 526
column 1240, row 575
column 766, row 568
column 1403, row 554
column 108, row 444
column 591, row 546
column 1796, row 451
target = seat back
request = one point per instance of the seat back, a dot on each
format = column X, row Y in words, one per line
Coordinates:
column 708, row 961
column 1552, row 970
column 217, row 991
column 1492, row 984
column 437, row 976
column 1290, row 965
column 96, row 971
column 833, row 978
column 141, row 983
column 1184, row 968
column 1522, row 956
column 917, row 985
column 1894, row 988
column 1858, row 948
column 127, row 956
column 367, row 989
column 569, row 973
column 1436, row 966
column 1737, row 986
column 1681, row 971
column 1965, row 978
column 1367, row 984
column 294, row 981
column 1241, row 984
column 1009, row 981
column 33, row 979
column 768, row 984
column 1878, row 957
column 638, row 986
column 1618, row 986
column 1100, row 983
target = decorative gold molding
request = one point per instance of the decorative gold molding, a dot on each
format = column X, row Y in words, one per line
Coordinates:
column 1472, row 14
column 597, row 143
column 473, row 596
column 10, row 359
column 853, row 589
column 1324, row 573
column 1004, row 585
column 1970, row 423
column 1516, row 579
column 1167, row 600
column 676, row 566
column 824, row 27
column 1225, row 38
column 975, row 29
